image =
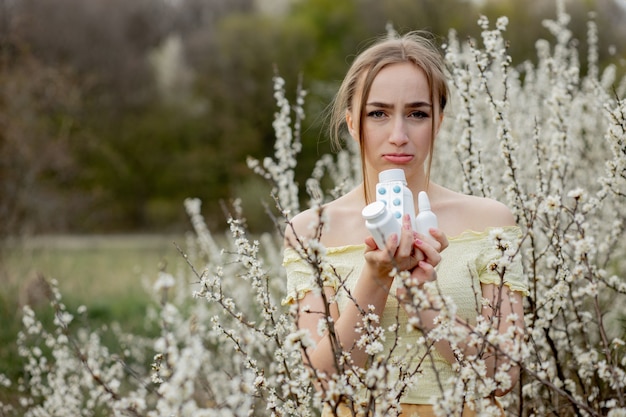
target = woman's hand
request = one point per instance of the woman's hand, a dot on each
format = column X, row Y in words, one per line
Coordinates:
column 399, row 253
column 410, row 251
column 430, row 248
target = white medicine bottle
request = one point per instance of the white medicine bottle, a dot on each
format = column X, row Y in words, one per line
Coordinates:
column 380, row 222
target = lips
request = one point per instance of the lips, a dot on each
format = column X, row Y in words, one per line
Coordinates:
column 398, row 158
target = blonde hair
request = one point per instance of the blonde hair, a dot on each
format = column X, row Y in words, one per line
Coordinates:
column 415, row 47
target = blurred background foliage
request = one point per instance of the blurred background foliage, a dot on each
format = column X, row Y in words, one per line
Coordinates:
column 114, row 111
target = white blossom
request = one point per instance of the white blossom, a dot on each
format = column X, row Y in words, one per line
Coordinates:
column 543, row 137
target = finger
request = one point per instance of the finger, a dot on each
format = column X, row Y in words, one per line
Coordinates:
column 370, row 244
column 440, row 237
column 436, row 238
column 418, row 255
column 422, row 273
column 428, row 239
column 405, row 247
column 391, row 244
column 431, row 254
column 429, row 271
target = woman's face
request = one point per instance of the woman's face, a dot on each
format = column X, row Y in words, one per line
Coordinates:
column 398, row 120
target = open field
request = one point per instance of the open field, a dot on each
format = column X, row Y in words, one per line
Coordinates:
column 110, row 275
column 89, row 268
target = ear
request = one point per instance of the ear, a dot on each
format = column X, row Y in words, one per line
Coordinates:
column 350, row 123
column 439, row 122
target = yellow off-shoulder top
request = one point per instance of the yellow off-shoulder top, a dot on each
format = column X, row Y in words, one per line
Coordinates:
column 467, row 262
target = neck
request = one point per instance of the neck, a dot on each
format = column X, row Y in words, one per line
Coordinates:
column 417, row 183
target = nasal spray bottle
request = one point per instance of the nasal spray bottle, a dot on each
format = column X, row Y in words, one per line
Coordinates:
column 426, row 219
column 394, row 199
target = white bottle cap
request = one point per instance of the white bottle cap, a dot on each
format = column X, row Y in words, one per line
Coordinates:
column 373, row 210
column 395, row 174
column 423, row 203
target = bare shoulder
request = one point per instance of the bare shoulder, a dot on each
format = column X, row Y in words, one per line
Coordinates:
column 492, row 212
column 463, row 212
column 303, row 225
column 336, row 223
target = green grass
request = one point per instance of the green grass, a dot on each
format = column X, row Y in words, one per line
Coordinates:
column 91, row 267
column 111, row 276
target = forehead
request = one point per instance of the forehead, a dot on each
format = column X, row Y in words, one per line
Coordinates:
column 401, row 81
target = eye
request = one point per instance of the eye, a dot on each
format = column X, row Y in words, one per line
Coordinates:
column 376, row 114
column 418, row 114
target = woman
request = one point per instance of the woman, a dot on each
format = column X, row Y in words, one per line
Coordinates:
column 392, row 102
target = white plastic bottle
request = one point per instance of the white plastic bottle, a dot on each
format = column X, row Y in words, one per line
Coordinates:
column 426, row 219
column 393, row 191
column 380, row 222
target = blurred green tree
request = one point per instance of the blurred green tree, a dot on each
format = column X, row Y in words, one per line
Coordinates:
column 112, row 112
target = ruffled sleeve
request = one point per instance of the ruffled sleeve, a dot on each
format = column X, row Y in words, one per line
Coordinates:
column 497, row 255
column 301, row 277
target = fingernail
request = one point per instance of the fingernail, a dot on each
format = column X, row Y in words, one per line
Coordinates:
column 418, row 242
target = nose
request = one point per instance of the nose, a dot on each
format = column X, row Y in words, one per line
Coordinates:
column 399, row 135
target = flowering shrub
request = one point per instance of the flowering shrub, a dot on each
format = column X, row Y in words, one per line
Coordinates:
column 562, row 169
column 545, row 138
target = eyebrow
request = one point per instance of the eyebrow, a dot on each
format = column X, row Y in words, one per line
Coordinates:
column 414, row 105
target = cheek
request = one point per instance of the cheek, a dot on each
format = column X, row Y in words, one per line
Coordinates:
column 374, row 131
column 425, row 134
